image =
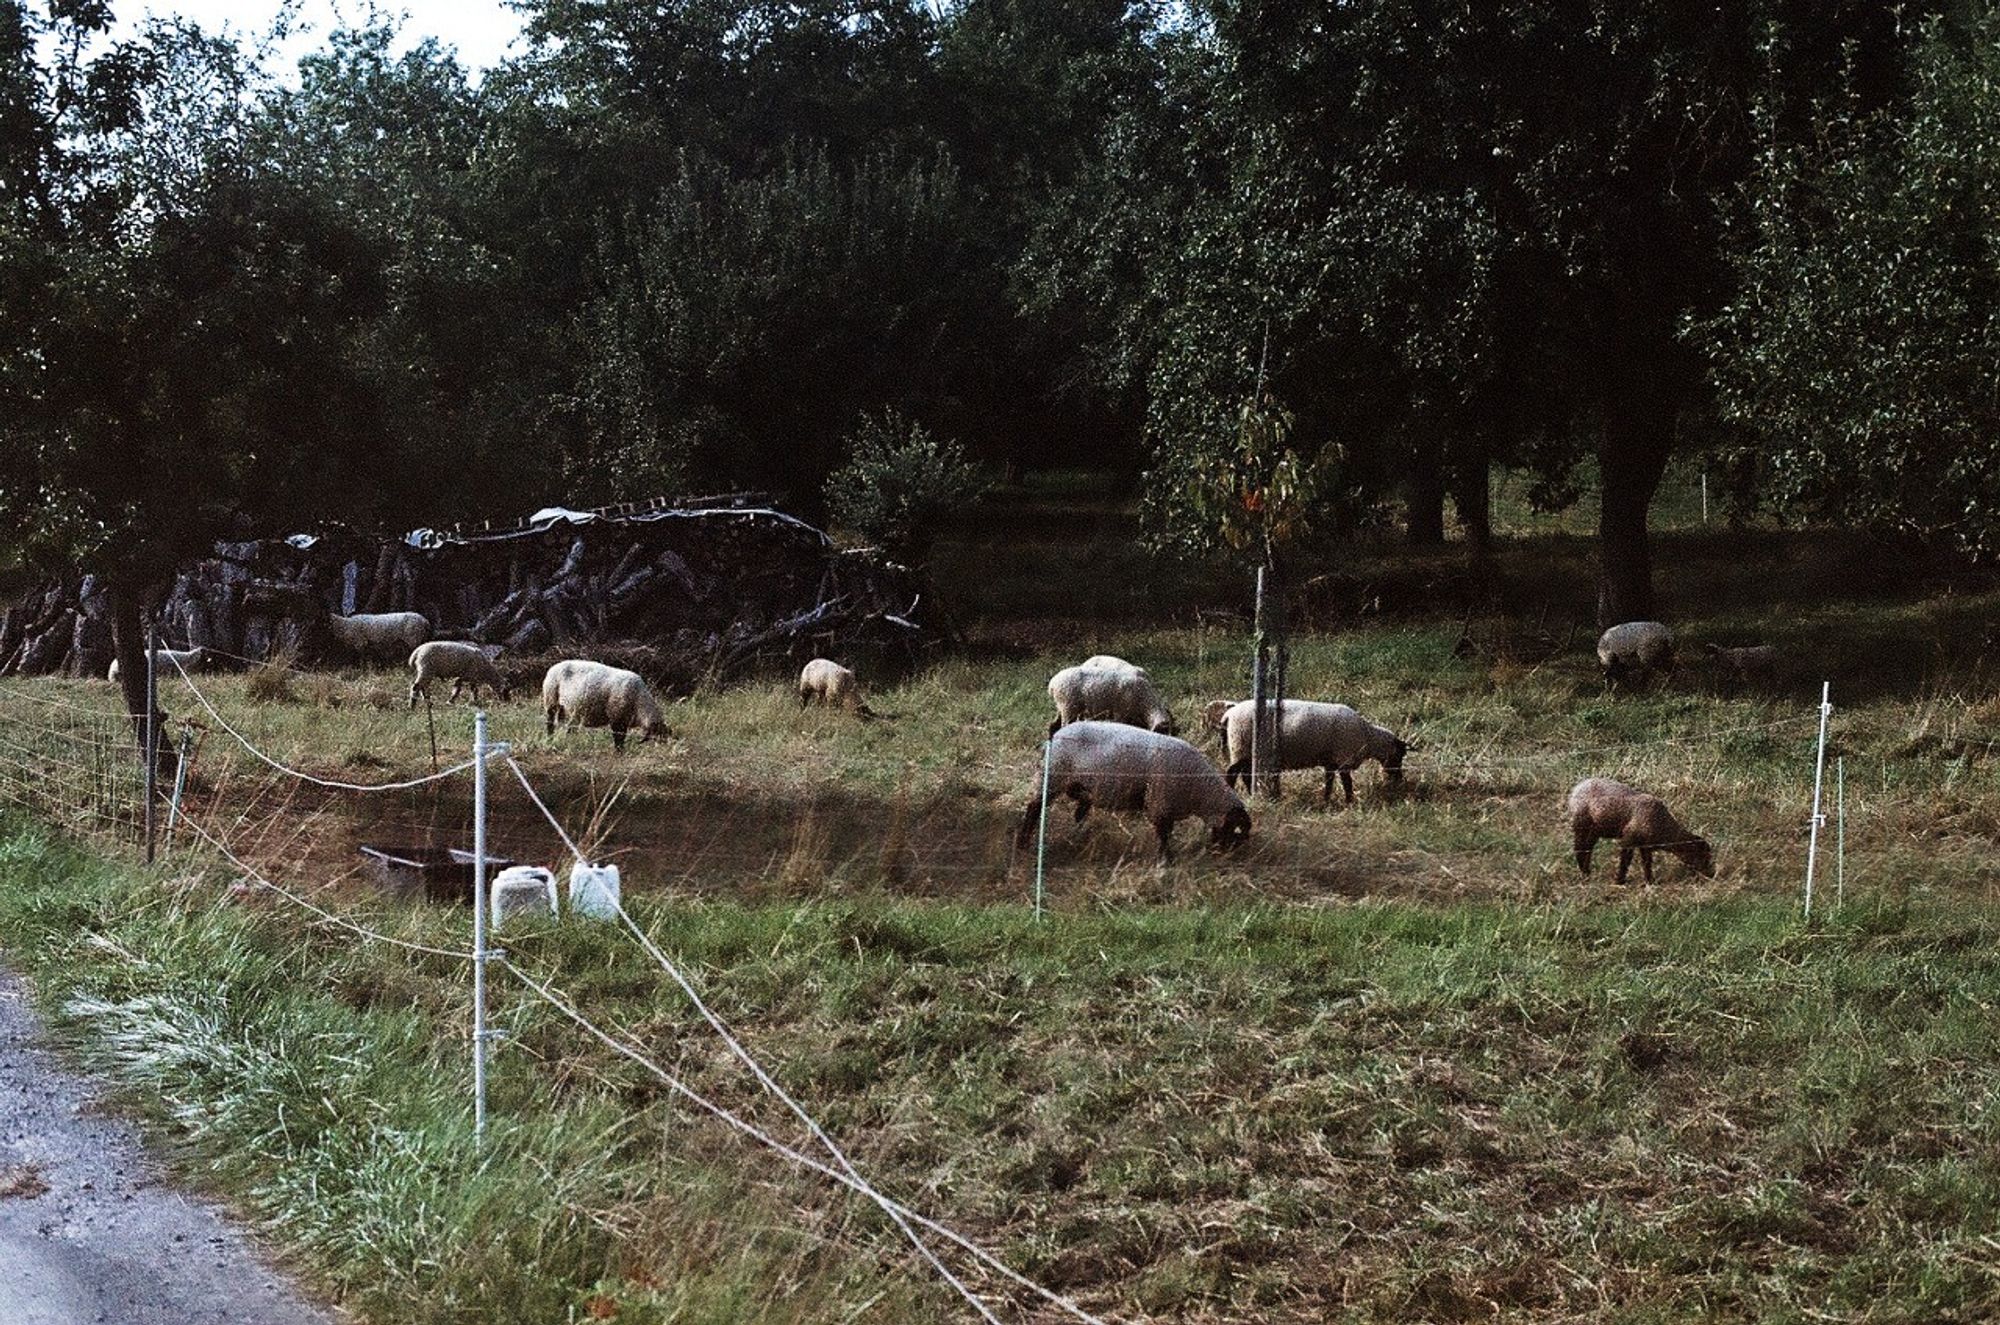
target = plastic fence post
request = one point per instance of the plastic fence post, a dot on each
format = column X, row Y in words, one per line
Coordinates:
column 152, row 726
column 180, row 784
column 1042, row 836
column 1819, row 782
column 479, row 925
column 1840, row 830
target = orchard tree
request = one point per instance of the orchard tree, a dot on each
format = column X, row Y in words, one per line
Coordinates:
column 1856, row 360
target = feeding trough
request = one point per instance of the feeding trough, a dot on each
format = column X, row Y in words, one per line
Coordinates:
column 439, row 874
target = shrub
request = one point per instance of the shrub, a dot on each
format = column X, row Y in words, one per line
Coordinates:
column 900, row 485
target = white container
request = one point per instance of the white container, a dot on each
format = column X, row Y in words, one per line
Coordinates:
column 522, row 890
column 593, row 891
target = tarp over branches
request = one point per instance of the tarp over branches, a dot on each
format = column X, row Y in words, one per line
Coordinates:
column 713, row 586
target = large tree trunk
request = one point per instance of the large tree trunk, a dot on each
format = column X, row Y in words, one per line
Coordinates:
column 1425, row 517
column 1472, row 495
column 1632, row 453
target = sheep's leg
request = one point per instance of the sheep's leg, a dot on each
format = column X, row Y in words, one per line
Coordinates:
column 618, row 738
column 417, row 688
column 1646, row 864
column 549, row 715
column 805, row 698
column 1031, row 820
column 1326, row 792
column 458, row 690
column 1082, row 806
column 1165, row 829
column 1586, row 844
column 1239, row 769
column 1624, row 862
column 1347, row 784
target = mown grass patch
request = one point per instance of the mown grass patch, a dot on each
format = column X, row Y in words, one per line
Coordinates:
column 1387, row 1111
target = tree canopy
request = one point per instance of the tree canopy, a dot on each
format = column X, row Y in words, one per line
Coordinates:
column 695, row 246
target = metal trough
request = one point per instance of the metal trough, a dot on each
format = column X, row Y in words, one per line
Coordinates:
column 439, row 874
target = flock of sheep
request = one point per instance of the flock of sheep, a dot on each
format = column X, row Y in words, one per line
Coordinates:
column 1113, row 743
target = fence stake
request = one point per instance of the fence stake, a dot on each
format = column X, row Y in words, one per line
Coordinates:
column 1840, row 830
column 1704, row 496
column 152, row 725
column 431, row 722
column 1819, row 780
column 479, row 925
column 180, row 784
column 1042, row 838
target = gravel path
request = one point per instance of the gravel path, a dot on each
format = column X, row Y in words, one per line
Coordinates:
column 88, row 1233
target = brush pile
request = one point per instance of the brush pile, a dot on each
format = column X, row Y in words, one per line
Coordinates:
column 712, row 586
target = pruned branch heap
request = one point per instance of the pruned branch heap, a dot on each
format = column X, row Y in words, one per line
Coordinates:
column 714, row 586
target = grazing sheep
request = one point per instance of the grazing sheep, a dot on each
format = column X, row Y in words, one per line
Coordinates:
column 1755, row 662
column 459, row 662
column 379, row 634
column 1108, row 694
column 591, row 694
column 831, row 684
column 191, row 660
column 1601, row 808
column 1315, row 735
column 1637, row 648
column 1124, row 768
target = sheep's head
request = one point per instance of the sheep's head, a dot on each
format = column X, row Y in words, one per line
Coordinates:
column 1697, row 856
column 1231, row 832
column 1163, row 723
column 1213, row 712
column 655, row 727
column 1392, row 767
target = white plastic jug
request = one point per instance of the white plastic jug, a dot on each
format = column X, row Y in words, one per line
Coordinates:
column 593, row 891
column 521, row 890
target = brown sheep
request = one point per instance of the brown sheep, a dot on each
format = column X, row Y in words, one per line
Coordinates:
column 1600, row 808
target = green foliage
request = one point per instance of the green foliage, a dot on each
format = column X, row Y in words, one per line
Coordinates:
column 1856, row 359
column 900, row 486
column 1254, row 494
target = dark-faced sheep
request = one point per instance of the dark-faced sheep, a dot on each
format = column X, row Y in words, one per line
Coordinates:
column 835, row 686
column 1114, row 766
column 591, row 694
column 1332, row 737
column 1635, row 650
column 463, row 664
column 1600, row 809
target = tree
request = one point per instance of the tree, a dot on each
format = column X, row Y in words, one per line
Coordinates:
column 1436, row 225
column 1856, row 361
column 900, row 486
column 188, row 337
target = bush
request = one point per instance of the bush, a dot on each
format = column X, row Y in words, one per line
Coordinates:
column 900, row 485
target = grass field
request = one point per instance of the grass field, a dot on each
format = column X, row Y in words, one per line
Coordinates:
column 1392, row 1061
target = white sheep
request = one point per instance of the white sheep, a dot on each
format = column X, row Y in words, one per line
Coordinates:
column 379, row 634
column 191, row 660
column 1111, row 662
column 592, row 694
column 461, row 663
column 1754, row 662
column 1635, row 648
column 1108, row 694
column 1600, row 808
column 1316, row 735
column 831, row 684
column 1124, row 768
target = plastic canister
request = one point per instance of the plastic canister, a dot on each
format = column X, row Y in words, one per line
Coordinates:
column 521, row 890
column 593, row 890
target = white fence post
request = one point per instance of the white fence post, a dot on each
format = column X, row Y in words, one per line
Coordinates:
column 1042, row 836
column 1840, row 830
column 1819, row 781
column 479, row 925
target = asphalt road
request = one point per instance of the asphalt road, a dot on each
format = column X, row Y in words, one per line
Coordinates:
column 89, row 1232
